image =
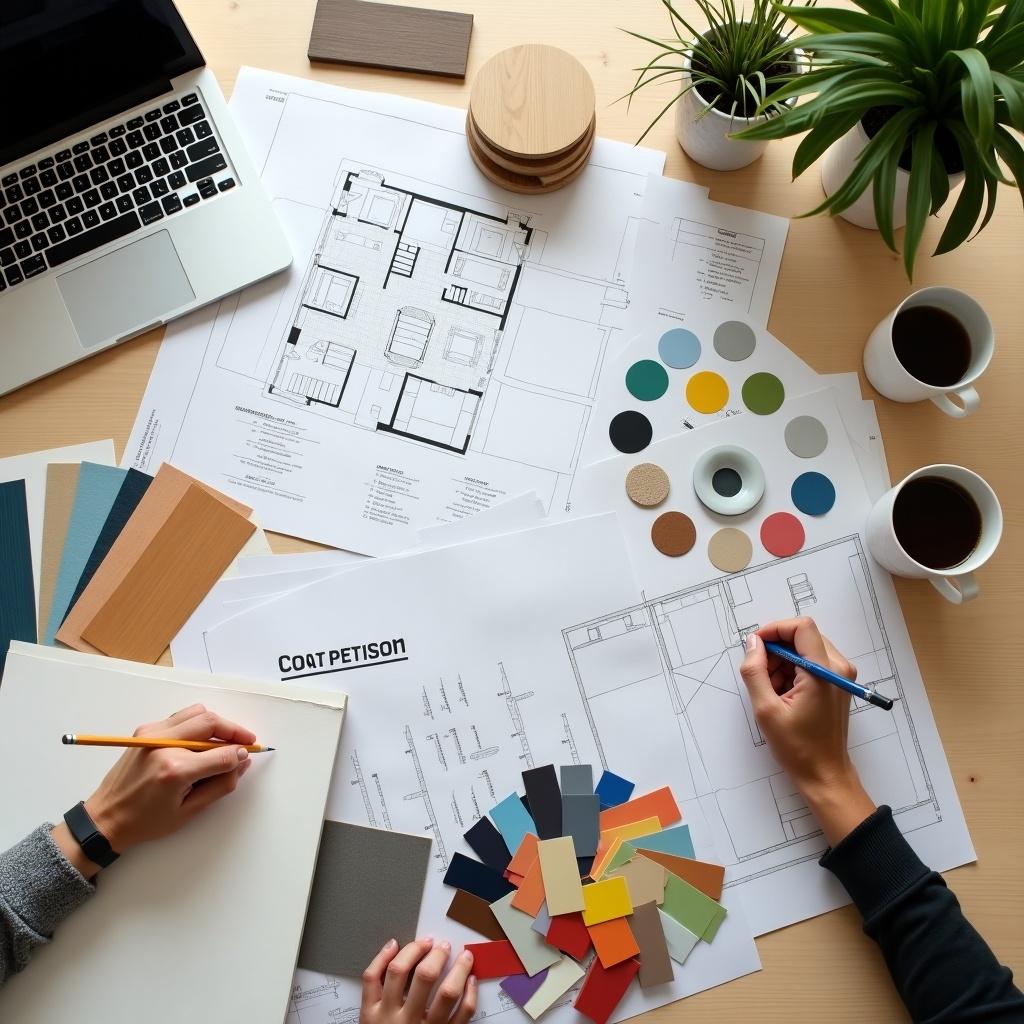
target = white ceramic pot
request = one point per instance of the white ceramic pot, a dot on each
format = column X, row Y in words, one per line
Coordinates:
column 836, row 169
column 703, row 131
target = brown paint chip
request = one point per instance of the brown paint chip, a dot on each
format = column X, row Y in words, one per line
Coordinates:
column 673, row 534
column 647, row 485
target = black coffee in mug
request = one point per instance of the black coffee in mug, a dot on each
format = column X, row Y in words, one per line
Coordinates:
column 932, row 345
column 936, row 522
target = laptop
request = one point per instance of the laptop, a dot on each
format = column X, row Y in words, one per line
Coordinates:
column 127, row 197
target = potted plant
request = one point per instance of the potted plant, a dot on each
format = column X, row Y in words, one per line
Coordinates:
column 911, row 99
column 731, row 74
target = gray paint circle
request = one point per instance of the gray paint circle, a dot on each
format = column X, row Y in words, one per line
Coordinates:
column 735, row 341
column 806, row 437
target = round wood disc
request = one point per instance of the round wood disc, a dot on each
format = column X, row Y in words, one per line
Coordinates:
column 673, row 534
column 522, row 183
column 552, row 167
column 532, row 101
column 647, row 485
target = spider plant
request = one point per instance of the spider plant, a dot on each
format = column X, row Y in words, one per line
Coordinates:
column 737, row 64
column 943, row 82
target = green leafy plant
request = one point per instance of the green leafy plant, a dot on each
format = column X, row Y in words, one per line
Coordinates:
column 737, row 65
column 938, row 84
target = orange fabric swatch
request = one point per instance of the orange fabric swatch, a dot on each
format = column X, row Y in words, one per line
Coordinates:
column 660, row 804
column 530, row 894
column 699, row 873
column 524, row 856
column 613, row 941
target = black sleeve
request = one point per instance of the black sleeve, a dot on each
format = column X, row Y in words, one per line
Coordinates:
column 942, row 968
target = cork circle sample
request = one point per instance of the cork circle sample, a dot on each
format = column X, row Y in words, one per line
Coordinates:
column 673, row 534
column 647, row 485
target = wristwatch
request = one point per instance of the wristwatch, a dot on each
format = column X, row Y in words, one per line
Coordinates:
column 93, row 842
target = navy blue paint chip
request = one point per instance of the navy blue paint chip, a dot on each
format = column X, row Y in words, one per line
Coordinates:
column 17, row 587
column 488, row 845
column 477, row 879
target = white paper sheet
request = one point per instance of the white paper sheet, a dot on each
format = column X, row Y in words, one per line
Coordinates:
column 436, row 346
column 482, row 690
column 184, row 892
column 520, row 513
column 32, row 469
column 688, row 634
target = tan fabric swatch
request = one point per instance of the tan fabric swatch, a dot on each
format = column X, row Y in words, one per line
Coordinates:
column 61, row 482
column 154, row 599
column 167, row 489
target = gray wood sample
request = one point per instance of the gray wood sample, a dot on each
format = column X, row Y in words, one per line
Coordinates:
column 391, row 36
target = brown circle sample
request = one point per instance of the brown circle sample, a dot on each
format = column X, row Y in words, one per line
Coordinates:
column 673, row 534
column 532, row 101
column 647, row 485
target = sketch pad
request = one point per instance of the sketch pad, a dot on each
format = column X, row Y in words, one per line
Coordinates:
column 367, row 889
column 117, row 953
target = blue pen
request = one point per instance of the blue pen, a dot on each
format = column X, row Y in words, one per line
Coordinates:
column 864, row 692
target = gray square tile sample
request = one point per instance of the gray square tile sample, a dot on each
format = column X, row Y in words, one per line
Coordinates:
column 367, row 888
column 577, row 779
column 581, row 820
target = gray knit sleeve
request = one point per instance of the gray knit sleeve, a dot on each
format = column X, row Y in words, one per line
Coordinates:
column 39, row 887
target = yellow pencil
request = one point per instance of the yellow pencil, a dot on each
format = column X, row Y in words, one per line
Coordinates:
column 80, row 740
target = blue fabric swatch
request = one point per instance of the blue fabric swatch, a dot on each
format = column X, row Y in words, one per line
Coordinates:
column 613, row 790
column 17, row 589
column 94, row 497
column 675, row 840
column 512, row 821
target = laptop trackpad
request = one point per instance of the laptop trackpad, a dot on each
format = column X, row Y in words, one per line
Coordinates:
column 127, row 290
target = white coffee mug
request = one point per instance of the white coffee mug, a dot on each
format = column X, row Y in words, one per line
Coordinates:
column 891, row 378
column 956, row 584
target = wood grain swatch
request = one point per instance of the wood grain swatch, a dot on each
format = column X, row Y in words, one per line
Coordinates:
column 197, row 542
column 167, row 489
column 61, row 484
column 391, row 36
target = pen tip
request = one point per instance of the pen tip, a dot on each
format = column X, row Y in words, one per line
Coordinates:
column 268, row 749
column 67, row 739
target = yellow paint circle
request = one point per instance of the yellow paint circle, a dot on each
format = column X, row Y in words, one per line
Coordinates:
column 707, row 392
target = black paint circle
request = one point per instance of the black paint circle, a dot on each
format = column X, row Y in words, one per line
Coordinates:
column 630, row 431
column 726, row 482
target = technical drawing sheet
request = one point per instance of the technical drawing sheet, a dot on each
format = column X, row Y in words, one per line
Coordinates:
column 456, row 685
column 435, row 348
column 686, row 637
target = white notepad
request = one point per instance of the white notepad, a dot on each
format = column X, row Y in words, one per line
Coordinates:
column 203, row 925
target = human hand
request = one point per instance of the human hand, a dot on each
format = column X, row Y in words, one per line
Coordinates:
column 149, row 794
column 805, row 721
column 384, row 985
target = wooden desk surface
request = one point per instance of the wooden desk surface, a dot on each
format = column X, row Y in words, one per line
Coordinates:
column 837, row 282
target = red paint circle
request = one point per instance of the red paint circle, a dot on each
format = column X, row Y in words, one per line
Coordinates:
column 782, row 534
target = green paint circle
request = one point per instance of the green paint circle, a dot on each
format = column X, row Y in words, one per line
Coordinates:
column 647, row 380
column 763, row 393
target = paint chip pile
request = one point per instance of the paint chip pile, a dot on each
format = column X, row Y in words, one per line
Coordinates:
column 571, row 871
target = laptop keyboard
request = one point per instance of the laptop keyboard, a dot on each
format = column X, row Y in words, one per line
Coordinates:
column 106, row 187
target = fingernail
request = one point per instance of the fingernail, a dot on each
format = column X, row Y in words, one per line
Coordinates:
column 471, row 984
column 390, row 944
column 242, row 753
column 427, row 940
column 466, row 956
column 752, row 639
column 446, row 945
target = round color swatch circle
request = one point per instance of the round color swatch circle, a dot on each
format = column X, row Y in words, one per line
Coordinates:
column 763, row 393
column 813, row 493
column 647, row 380
column 679, row 348
column 727, row 482
column 735, row 341
column 630, row 432
column 673, row 534
column 647, row 485
column 782, row 535
column 730, row 550
column 806, row 437
column 707, row 392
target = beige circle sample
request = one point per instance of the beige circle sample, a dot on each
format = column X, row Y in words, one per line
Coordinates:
column 730, row 550
column 532, row 101
column 647, row 485
column 673, row 534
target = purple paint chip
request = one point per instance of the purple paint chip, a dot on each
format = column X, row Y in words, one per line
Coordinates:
column 520, row 987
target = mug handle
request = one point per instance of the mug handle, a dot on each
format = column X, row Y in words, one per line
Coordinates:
column 958, row 589
column 966, row 394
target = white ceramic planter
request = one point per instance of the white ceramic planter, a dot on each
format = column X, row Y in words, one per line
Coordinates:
column 703, row 131
column 836, row 168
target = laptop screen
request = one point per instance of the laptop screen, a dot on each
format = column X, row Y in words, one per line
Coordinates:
column 68, row 64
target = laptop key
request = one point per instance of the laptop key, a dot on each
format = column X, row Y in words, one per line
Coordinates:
column 22, row 229
column 65, row 171
column 170, row 108
column 81, row 183
column 6, row 237
column 152, row 132
column 150, row 212
column 107, row 210
column 82, row 163
column 207, row 189
column 29, row 207
column 12, row 213
column 177, row 180
column 171, row 204
column 126, row 182
column 74, row 226
column 169, row 124
column 124, row 204
column 192, row 199
column 202, row 130
column 151, row 151
column 190, row 116
column 39, row 242
column 56, row 234
column 33, row 267
column 64, row 154
column 118, row 147
column 141, row 196
column 92, row 197
column 135, row 140
column 14, row 275
column 90, row 218
column 117, row 131
column 185, row 137
column 168, row 144
column 80, row 147
column 75, row 205
column 161, row 167
column 28, row 171
column 46, row 198
column 40, row 222
column 100, row 155
column 57, row 214
column 227, row 183
column 64, row 191
column 179, row 159
column 187, row 101
column 203, row 169
column 14, row 194
column 22, row 250
column 133, row 160
column 116, row 167
column 108, row 190
column 159, row 188
column 7, row 255
column 152, row 115
column 48, row 178
column 135, row 123
column 9, row 179
column 205, row 148
column 98, row 175
column 144, row 175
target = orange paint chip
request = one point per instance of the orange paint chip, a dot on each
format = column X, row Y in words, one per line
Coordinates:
column 700, row 874
column 613, row 941
column 529, row 896
column 659, row 804
column 524, row 856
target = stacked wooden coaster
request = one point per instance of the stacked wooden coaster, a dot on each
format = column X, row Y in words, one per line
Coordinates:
column 531, row 120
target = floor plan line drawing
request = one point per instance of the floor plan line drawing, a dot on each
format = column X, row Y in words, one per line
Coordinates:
column 690, row 643
column 512, row 704
column 440, row 851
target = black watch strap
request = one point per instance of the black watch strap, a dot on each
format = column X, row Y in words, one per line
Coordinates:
column 93, row 842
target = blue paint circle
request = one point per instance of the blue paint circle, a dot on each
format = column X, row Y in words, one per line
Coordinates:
column 813, row 493
column 679, row 348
